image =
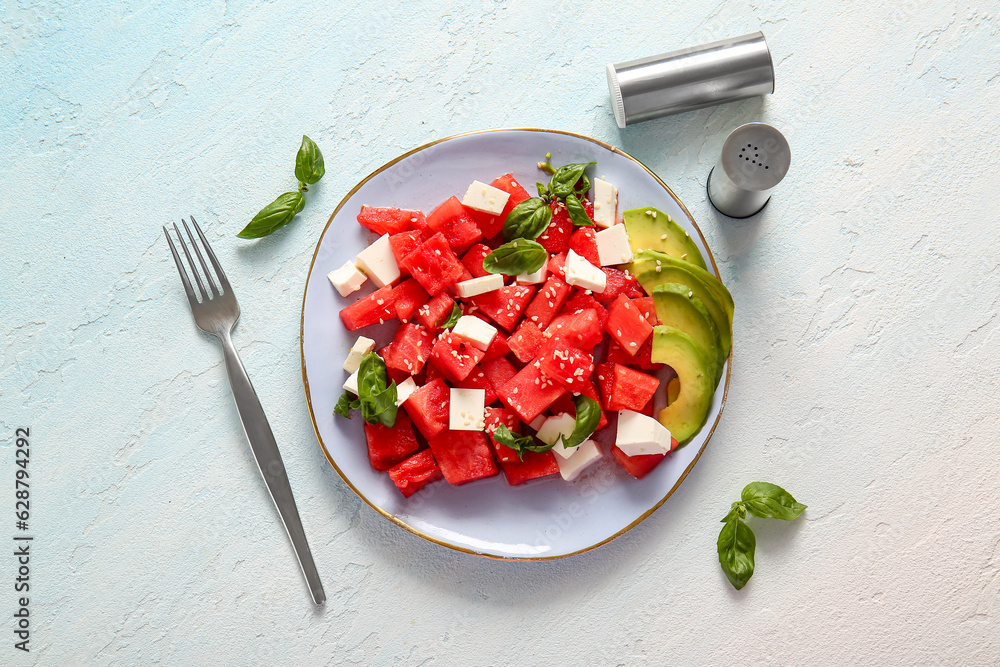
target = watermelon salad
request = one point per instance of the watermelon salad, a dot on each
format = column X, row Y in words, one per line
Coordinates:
column 519, row 331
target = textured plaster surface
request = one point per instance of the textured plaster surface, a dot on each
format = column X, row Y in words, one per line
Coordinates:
column 866, row 334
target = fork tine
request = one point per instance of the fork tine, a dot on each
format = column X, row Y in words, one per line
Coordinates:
column 180, row 269
column 194, row 268
column 211, row 256
column 208, row 274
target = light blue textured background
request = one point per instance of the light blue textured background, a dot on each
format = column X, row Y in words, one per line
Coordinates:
column 865, row 364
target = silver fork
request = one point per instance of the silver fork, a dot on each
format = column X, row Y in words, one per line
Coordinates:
column 216, row 314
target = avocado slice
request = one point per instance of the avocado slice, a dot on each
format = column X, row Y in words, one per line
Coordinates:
column 677, row 306
column 647, row 259
column 682, row 274
column 650, row 229
column 685, row 416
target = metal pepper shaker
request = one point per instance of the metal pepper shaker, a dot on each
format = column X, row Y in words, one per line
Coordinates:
column 755, row 157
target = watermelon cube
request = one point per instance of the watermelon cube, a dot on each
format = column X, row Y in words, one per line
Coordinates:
column 548, row 302
column 631, row 389
column 435, row 311
column 455, row 357
column 619, row 282
column 498, row 348
column 568, row 365
column 627, row 325
column 403, row 244
column 463, row 456
column 555, row 238
column 415, row 473
column 388, row 220
column 452, row 219
column 496, row 416
column 375, row 308
column 434, row 265
column 647, row 307
column 410, row 349
column 534, row 465
column 529, row 392
column 604, row 378
column 407, row 297
column 642, row 359
column 473, row 260
column 642, row 465
column 557, row 265
column 388, row 446
column 584, row 243
column 428, row 407
column 581, row 301
column 505, row 305
column 526, row 341
column 582, row 329
column 498, row 371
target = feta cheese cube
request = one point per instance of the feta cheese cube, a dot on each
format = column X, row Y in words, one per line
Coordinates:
column 537, row 422
column 605, row 203
column 467, row 411
column 361, row 347
column 560, row 425
column 535, row 278
column 475, row 331
column 481, row 285
column 351, row 384
column 583, row 457
column 404, row 390
column 583, row 274
column 639, row 435
column 613, row 246
column 347, row 279
column 485, row 198
column 378, row 262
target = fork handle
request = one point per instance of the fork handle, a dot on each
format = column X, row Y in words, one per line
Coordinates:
column 265, row 451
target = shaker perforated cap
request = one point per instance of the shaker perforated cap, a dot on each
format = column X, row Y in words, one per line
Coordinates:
column 755, row 158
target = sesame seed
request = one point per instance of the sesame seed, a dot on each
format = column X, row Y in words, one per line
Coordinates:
column 663, row 237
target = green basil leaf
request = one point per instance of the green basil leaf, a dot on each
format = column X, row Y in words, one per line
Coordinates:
column 563, row 182
column 376, row 394
column 452, row 319
column 542, row 190
column 583, row 187
column 527, row 220
column 770, row 501
column 344, row 405
column 517, row 257
column 519, row 443
column 309, row 166
column 736, row 546
column 588, row 416
column 577, row 213
column 380, row 408
column 274, row 216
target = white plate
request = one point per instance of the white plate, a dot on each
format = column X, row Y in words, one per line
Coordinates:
column 543, row 519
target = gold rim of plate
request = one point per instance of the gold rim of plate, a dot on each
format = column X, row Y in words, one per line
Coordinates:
column 305, row 379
